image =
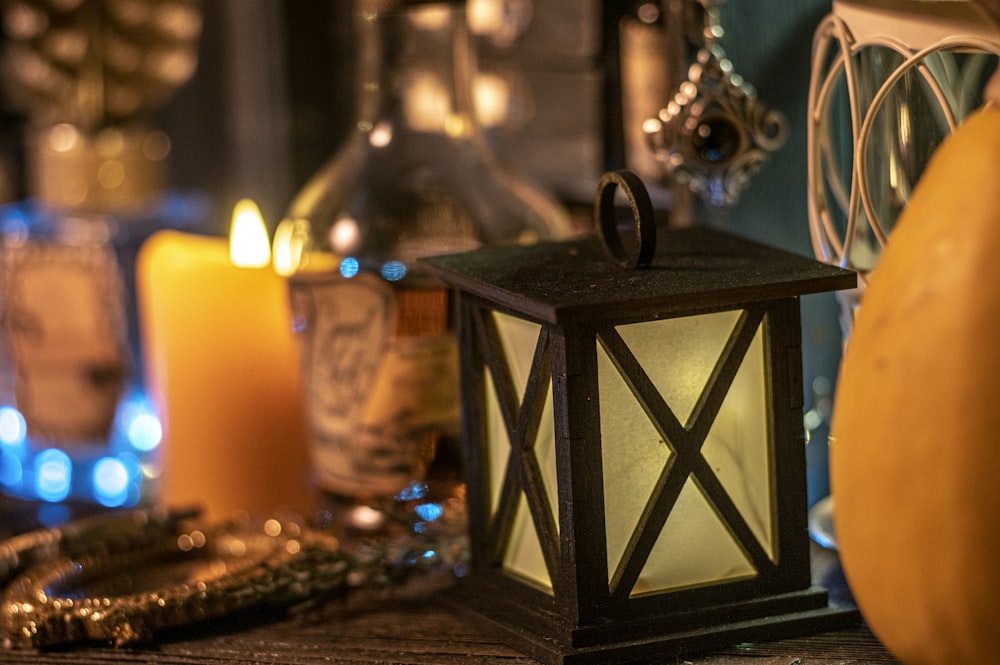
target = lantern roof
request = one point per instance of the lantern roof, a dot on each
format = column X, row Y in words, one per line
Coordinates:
column 693, row 268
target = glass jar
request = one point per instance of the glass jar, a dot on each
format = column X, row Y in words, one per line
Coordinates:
column 890, row 79
column 415, row 178
column 75, row 421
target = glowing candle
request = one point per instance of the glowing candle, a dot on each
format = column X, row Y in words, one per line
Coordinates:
column 222, row 366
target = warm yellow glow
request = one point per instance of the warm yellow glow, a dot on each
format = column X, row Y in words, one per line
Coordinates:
column 64, row 137
column 524, row 555
column 289, row 246
column 248, row 243
column 485, row 17
column 455, row 125
column 502, row 21
column 345, row 236
column 111, row 174
column 492, row 96
column 429, row 18
column 293, row 250
column 905, row 124
column 426, row 102
column 380, row 135
column 680, row 357
column 110, row 142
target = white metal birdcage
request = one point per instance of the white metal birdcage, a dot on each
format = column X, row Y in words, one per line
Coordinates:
column 890, row 79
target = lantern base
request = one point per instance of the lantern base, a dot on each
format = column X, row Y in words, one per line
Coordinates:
column 686, row 633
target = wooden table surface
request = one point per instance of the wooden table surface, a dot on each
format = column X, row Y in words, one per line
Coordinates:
column 414, row 626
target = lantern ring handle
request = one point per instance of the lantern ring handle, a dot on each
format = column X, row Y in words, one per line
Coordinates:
column 640, row 253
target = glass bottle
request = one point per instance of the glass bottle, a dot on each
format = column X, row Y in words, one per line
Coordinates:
column 415, row 178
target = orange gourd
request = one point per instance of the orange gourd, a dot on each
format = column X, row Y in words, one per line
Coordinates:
column 915, row 446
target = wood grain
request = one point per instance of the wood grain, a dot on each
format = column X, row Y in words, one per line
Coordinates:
column 414, row 629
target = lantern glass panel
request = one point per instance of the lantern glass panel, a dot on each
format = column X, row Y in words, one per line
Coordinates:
column 738, row 447
column 634, row 456
column 694, row 548
column 524, row 553
column 681, row 357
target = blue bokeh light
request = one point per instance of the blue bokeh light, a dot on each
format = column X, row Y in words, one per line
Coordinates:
column 13, row 429
column 145, row 432
column 349, row 267
column 114, row 476
column 393, row 271
column 111, row 481
column 138, row 423
column 11, row 471
column 415, row 490
column 134, row 469
column 132, row 464
column 53, row 475
column 429, row 511
column 15, row 224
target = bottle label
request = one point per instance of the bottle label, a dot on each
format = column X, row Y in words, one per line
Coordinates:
column 381, row 373
column 65, row 328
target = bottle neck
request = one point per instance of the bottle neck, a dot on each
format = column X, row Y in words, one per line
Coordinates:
column 415, row 68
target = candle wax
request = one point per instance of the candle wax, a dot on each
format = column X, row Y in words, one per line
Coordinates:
column 223, row 368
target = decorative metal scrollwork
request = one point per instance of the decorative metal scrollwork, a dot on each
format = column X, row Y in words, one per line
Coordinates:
column 714, row 133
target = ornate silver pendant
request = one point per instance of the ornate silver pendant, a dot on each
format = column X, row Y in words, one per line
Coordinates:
column 714, row 133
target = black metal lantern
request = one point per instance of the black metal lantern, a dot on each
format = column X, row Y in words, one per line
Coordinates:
column 634, row 439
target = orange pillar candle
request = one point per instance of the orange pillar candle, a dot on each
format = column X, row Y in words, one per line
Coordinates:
column 223, row 368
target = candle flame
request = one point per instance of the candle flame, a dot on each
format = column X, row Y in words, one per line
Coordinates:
column 249, row 246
